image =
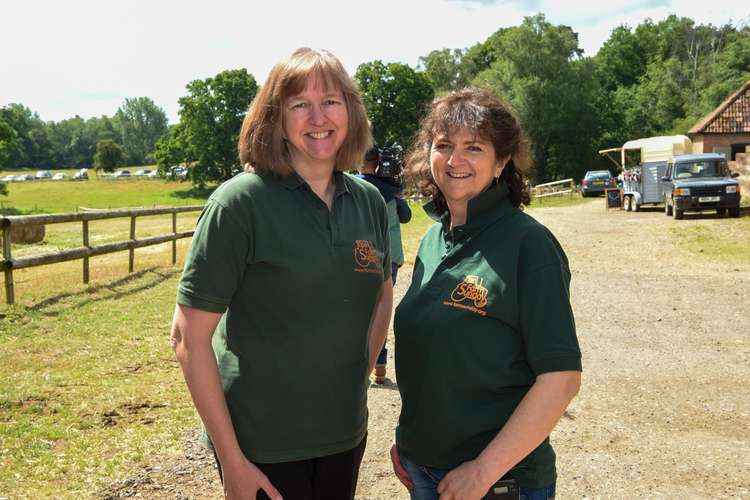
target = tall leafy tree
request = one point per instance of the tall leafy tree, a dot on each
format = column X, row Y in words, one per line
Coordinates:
column 396, row 97
column 26, row 151
column 141, row 123
column 7, row 141
column 211, row 115
column 108, row 156
column 443, row 68
column 539, row 70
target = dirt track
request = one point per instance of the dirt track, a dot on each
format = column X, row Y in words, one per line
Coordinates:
column 665, row 406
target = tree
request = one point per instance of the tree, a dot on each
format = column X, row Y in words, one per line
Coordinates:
column 396, row 97
column 108, row 156
column 7, row 141
column 443, row 68
column 141, row 123
column 210, row 119
column 539, row 70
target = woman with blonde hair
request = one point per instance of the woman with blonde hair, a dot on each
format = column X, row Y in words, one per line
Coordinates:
column 289, row 265
column 487, row 358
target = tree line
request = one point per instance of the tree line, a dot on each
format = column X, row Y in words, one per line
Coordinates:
column 130, row 134
column 657, row 78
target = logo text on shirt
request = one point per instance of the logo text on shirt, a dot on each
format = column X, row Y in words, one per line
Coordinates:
column 365, row 257
column 470, row 294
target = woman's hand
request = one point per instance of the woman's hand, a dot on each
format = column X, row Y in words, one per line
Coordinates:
column 243, row 480
column 466, row 482
column 401, row 473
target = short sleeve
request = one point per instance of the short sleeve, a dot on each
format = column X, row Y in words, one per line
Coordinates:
column 545, row 315
column 220, row 252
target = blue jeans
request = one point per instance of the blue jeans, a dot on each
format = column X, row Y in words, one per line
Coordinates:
column 383, row 356
column 426, row 480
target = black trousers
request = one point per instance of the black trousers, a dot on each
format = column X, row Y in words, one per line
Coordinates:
column 333, row 477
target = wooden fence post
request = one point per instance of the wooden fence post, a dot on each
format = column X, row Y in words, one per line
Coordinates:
column 131, row 259
column 10, row 296
column 86, row 259
column 174, row 242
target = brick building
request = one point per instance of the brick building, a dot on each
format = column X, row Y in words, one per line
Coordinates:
column 726, row 129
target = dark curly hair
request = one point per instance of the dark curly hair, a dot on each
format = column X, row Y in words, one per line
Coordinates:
column 485, row 115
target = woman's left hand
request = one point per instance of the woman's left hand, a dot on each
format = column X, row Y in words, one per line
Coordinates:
column 465, row 482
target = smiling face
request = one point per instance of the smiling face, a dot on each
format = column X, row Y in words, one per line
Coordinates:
column 463, row 165
column 315, row 126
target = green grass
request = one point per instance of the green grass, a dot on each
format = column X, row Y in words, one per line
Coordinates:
column 88, row 387
column 67, row 196
column 725, row 239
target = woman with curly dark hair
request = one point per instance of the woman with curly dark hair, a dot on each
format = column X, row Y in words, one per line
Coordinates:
column 487, row 358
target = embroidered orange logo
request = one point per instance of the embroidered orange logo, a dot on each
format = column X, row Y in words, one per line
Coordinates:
column 470, row 290
column 365, row 256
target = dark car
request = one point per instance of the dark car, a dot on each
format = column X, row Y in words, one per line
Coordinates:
column 698, row 182
column 596, row 181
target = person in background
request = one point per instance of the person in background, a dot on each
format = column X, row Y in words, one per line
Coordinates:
column 289, row 275
column 487, row 358
column 382, row 168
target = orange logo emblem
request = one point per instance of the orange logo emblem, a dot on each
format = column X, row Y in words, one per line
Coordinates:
column 470, row 294
column 365, row 256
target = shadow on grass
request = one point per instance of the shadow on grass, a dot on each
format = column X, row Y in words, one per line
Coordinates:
column 194, row 192
column 105, row 291
column 15, row 211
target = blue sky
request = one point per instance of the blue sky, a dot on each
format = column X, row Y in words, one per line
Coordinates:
column 62, row 58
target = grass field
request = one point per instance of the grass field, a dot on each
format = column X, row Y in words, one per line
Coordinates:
column 89, row 388
column 67, row 196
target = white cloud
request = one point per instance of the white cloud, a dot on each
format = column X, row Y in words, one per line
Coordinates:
column 85, row 57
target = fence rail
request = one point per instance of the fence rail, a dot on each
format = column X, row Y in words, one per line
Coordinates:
column 8, row 264
column 556, row 188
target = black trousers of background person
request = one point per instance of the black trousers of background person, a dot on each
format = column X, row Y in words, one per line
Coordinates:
column 333, row 477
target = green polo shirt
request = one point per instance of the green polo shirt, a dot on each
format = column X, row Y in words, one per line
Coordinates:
column 297, row 284
column 487, row 311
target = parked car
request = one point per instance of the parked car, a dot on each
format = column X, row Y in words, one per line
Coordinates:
column 143, row 172
column 58, row 177
column 81, row 175
column 152, row 174
column 596, row 181
column 178, row 172
column 43, row 174
column 24, row 178
column 121, row 173
column 698, row 182
column 8, row 178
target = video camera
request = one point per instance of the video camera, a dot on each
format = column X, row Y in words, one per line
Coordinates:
column 389, row 161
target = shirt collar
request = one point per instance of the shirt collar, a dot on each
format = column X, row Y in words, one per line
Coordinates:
column 295, row 181
column 486, row 207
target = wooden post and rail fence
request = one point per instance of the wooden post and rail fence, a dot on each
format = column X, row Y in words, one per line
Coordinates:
column 556, row 188
column 85, row 252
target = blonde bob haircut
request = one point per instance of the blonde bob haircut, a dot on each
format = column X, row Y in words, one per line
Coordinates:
column 262, row 147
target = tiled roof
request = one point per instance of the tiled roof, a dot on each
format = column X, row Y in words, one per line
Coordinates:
column 731, row 117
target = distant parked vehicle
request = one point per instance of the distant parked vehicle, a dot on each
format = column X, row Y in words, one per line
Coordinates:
column 43, row 174
column 121, row 173
column 8, row 178
column 153, row 173
column 178, row 172
column 142, row 172
column 81, row 175
column 58, row 177
column 24, row 178
column 596, row 181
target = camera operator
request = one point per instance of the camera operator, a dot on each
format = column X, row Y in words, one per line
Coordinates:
column 382, row 168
